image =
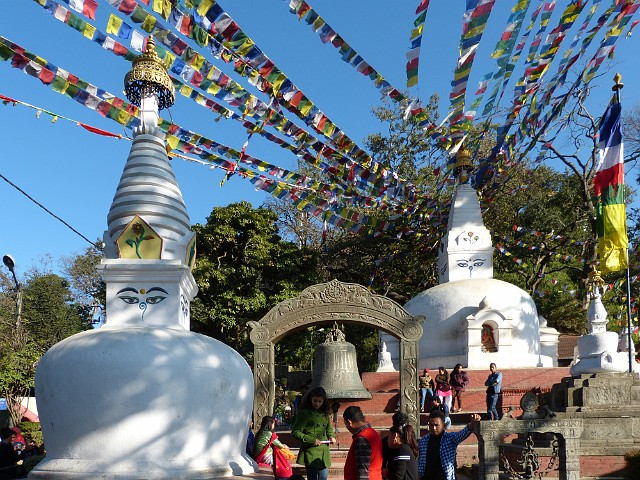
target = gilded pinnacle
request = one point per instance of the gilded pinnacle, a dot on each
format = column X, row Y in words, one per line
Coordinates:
column 149, row 76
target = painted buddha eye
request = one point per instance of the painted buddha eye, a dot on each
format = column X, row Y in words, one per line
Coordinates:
column 463, row 263
column 154, row 300
column 129, row 300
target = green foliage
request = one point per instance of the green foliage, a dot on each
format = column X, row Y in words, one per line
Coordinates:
column 48, row 310
column 243, row 269
column 32, row 430
column 86, row 286
column 552, row 245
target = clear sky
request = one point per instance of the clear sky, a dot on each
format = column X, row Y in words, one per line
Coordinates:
column 74, row 173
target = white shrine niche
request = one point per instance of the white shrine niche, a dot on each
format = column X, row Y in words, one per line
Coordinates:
column 479, row 349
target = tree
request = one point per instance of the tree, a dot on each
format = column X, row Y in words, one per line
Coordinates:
column 243, row 269
column 88, row 289
column 48, row 315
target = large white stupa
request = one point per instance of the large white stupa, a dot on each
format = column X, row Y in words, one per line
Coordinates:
column 143, row 397
column 472, row 318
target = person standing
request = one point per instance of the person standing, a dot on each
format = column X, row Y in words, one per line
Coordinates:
column 313, row 429
column 398, row 419
column 364, row 460
column 494, row 386
column 403, row 463
column 426, row 387
column 437, row 449
column 459, row 381
column 443, row 387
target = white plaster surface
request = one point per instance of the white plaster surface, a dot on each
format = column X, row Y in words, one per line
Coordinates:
column 446, row 308
column 141, row 402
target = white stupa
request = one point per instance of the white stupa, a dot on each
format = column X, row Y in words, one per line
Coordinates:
column 143, row 397
column 472, row 318
column 598, row 349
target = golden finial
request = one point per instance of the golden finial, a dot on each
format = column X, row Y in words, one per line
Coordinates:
column 462, row 162
column 595, row 281
column 149, row 76
column 618, row 85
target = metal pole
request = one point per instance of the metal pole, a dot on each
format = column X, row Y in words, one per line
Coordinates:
column 616, row 88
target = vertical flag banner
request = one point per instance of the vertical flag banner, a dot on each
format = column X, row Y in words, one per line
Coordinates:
column 611, row 216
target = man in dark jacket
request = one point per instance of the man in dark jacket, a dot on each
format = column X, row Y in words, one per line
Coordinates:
column 8, row 455
column 364, row 460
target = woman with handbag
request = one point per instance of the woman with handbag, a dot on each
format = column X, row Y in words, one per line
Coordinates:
column 268, row 449
column 313, row 428
column 443, row 387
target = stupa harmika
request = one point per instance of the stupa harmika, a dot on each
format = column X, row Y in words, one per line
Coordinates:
column 143, row 397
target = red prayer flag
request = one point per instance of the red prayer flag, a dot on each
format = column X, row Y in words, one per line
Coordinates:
column 89, row 9
column 99, row 131
column 120, row 49
column 185, row 25
column 46, row 76
column 424, row 4
column 127, row 6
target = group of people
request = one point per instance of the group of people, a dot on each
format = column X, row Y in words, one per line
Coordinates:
column 14, row 448
column 448, row 388
column 399, row 456
column 443, row 392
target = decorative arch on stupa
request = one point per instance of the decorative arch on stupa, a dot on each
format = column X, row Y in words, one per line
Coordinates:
column 324, row 304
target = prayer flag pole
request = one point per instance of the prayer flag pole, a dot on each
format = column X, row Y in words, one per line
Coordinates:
column 616, row 88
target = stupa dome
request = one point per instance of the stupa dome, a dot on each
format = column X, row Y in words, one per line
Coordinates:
column 450, row 308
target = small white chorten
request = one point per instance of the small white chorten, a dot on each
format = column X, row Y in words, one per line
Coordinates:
column 143, row 397
column 598, row 350
column 385, row 364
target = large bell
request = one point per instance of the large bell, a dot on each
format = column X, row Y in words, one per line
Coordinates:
column 336, row 370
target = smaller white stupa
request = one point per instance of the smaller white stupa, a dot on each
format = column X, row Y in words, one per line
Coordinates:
column 142, row 396
column 472, row 318
column 385, row 364
column 598, row 350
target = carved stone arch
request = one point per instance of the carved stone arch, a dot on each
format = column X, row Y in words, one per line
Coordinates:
column 324, row 304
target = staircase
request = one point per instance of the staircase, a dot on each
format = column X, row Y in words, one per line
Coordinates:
column 384, row 390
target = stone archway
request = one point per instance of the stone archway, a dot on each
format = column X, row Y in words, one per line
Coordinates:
column 325, row 303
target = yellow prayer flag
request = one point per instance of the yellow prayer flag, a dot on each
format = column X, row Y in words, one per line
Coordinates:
column 114, row 24
column 149, row 23
column 197, row 62
column 168, row 59
column 213, row 89
column 123, row 117
column 186, row 90
column 89, row 31
column 173, row 141
column 204, row 7
column 245, row 47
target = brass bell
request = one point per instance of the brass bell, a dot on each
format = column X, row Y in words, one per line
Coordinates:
column 336, row 370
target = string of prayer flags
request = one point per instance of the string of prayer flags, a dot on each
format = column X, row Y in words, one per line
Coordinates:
column 123, row 113
column 319, row 122
column 413, row 55
column 86, row 7
column 56, row 116
column 474, row 22
column 304, row 11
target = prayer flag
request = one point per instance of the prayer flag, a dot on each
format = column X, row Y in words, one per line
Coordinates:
column 114, row 24
column 611, row 217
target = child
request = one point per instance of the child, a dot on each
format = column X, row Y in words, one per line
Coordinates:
column 403, row 462
column 313, row 428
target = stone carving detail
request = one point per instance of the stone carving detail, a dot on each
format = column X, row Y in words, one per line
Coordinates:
column 326, row 303
column 490, row 435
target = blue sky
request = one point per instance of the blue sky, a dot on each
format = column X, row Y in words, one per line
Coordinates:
column 75, row 173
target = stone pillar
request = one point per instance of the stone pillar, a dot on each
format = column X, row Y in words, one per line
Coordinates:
column 570, row 459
